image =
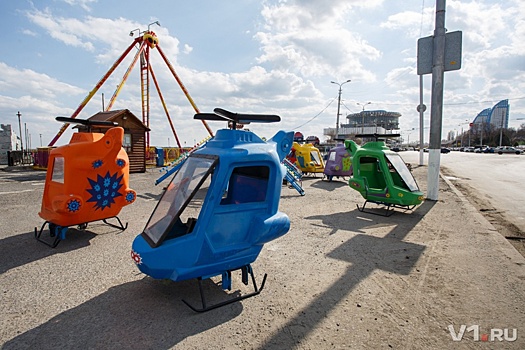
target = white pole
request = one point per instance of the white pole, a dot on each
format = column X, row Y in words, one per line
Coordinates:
column 436, row 110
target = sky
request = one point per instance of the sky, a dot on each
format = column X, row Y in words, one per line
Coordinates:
column 267, row 56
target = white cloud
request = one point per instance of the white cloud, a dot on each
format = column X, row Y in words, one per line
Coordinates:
column 187, row 49
column 60, row 28
column 33, row 83
column 302, row 38
column 29, row 32
column 82, row 3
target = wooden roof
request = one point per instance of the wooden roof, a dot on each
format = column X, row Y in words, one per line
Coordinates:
column 116, row 115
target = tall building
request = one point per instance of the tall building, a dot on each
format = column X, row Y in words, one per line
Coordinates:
column 497, row 116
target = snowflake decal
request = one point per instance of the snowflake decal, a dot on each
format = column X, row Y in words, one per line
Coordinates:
column 130, row 196
column 97, row 163
column 121, row 162
column 73, row 205
column 104, row 190
column 136, row 258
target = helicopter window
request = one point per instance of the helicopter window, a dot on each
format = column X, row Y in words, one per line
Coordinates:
column 166, row 219
column 400, row 167
column 58, row 170
column 314, row 156
column 332, row 156
column 247, row 185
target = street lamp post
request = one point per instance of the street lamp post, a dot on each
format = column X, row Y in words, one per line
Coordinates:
column 469, row 127
column 338, row 106
column 363, row 115
column 20, row 130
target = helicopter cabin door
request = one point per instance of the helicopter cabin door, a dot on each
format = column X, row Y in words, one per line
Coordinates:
column 245, row 196
column 178, row 209
column 370, row 170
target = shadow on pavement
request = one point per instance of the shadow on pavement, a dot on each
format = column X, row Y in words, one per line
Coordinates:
column 144, row 314
column 329, row 185
column 24, row 248
column 365, row 253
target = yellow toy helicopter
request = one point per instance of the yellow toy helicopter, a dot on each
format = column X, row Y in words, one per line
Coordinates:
column 307, row 158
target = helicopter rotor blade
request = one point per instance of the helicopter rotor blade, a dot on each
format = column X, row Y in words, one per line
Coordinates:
column 86, row 122
column 71, row 120
column 244, row 118
column 378, row 135
column 210, row 116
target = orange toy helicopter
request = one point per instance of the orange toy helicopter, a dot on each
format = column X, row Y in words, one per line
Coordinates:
column 87, row 180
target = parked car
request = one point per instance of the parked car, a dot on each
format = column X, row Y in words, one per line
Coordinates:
column 507, row 149
column 469, row 149
column 488, row 150
column 445, row 150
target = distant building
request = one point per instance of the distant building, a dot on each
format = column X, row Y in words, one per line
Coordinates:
column 366, row 122
column 497, row 116
column 8, row 142
column 378, row 118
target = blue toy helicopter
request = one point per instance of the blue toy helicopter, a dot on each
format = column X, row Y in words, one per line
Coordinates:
column 219, row 209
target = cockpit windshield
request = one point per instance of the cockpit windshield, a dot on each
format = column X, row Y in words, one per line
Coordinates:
column 403, row 171
column 181, row 189
column 315, row 158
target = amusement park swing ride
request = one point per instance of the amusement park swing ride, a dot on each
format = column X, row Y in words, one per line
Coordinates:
column 145, row 43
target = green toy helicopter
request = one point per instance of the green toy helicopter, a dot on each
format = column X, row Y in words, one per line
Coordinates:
column 381, row 176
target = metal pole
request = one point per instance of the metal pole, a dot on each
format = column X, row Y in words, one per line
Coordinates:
column 436, row 109
column 363, row 115
column 501, row 129
column 338, row 111
column 363, row 120
column 25, row 136
column 481, row 137
column 20, row 130
column 421, row 121
column 338, row 106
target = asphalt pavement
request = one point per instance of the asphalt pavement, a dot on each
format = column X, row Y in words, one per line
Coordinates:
column 86, row 293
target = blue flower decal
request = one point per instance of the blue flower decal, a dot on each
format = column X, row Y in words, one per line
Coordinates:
column 97, row 164
column 121, row 162
column 73, row 205
column 130, row 196
column 100, row 193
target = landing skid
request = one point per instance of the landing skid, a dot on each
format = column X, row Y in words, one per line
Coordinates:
column 226, row 280
column 389, row 208
column 59, row 232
